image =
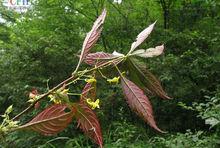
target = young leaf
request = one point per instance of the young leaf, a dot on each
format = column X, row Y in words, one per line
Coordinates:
column 138, row 102
column 88, row 123
column 98, row 58
column 50, row 121
column 150, row 52
column 141, row 37
column 92, row 36
column 86, row 90
column 89, row 91
column 139, row 71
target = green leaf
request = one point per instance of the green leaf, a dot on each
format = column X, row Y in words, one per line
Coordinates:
column 9, row 109
column 212, row 121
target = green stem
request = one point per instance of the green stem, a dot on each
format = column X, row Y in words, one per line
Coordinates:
column 74, row 94
column 74, row 76
column 102, row 74
column 118, row 71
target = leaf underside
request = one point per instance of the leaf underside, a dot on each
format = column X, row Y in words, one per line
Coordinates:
column 146, row 80
column 138, row 102
column 150, row 52
column 88, row 123
column 92, row 36
column 50, row 121
column 141, row 37
column 98, row 58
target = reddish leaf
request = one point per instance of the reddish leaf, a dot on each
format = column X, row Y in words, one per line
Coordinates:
column 37, row 105
column 86, row 90
column 88, row 123
column 92, row 36
column 50, row 121
column 33, row 93
column 140, row 71
column 154, row 85
column 138, row 102
column 89, row 91
column 141, row 37
column 98, row 58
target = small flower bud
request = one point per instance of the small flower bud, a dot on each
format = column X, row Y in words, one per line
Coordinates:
column 114, row 80
column 9, row 109
column 91, row 80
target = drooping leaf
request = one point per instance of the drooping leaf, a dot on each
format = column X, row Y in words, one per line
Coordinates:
column 150, row 52
column 88, row 123
column 147, row 81
column 92, row 36
column 98, row 58
column 138, row 102
column 141, row 37
column 50, row 121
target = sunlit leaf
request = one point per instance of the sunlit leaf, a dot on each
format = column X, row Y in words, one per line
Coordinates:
column 142, row 36
column 98, row 58
column 50, row 121
column 117, row 54
column 92, row 36
column 88, row 123
column 138, row 102
column 150, row 52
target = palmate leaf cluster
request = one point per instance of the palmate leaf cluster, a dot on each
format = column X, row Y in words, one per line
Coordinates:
column 41, row 49
column 55, row 118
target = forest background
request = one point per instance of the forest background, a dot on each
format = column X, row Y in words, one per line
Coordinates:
column 39, row 48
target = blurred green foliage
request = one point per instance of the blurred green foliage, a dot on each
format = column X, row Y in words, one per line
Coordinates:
column 40, row 47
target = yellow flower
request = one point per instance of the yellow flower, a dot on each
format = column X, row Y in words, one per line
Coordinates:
column 33, row 96
column 92, row 104
column 114, row 80
column 9, row 109
column 54, row 99
column 65, row 91
column 90, row 80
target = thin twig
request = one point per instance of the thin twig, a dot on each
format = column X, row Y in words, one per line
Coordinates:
column 75, row 76
column 42, row 96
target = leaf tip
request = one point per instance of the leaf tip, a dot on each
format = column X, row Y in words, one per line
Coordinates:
column 159, row 130
column 167, row 97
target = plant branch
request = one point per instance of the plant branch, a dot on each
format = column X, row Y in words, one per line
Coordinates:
column 42, row 96
column 75, row 76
